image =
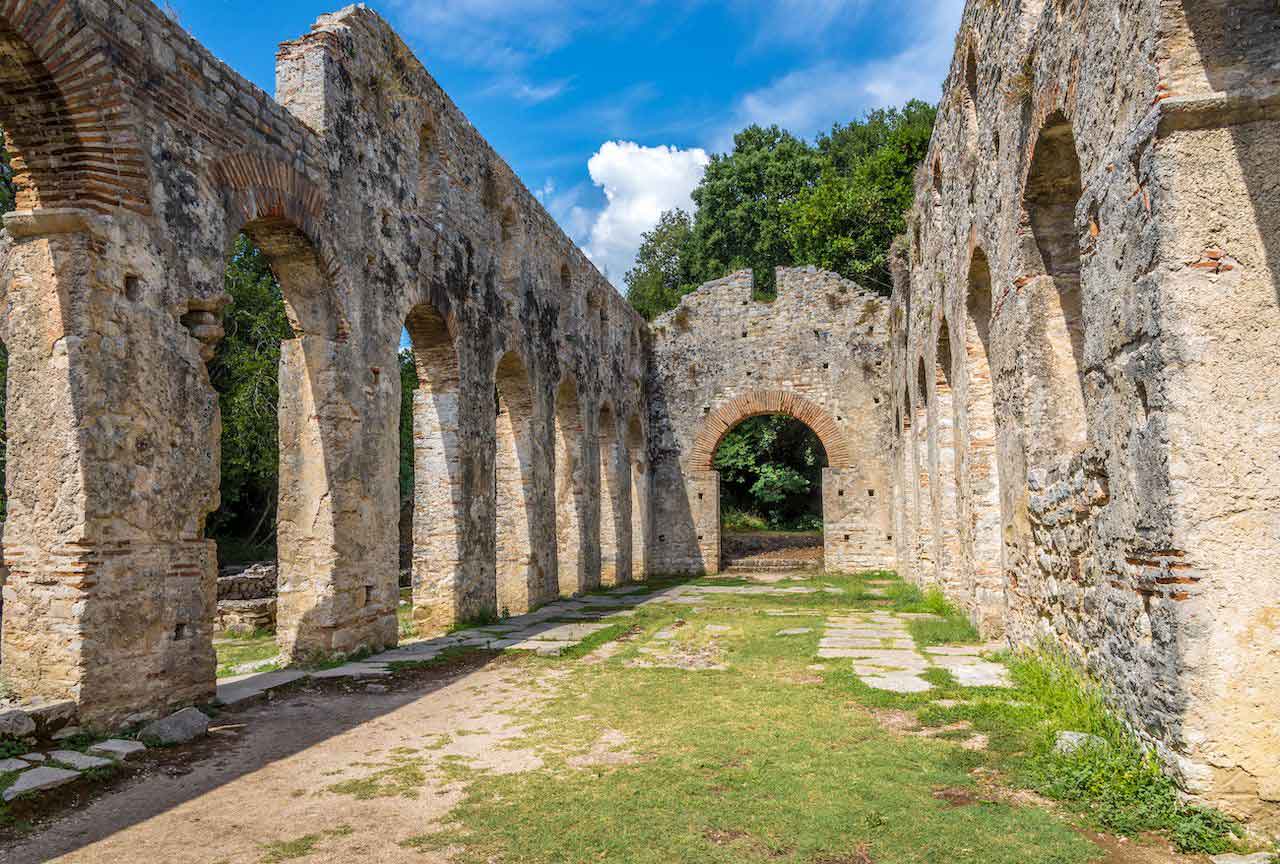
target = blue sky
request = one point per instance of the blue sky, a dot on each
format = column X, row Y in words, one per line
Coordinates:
column 608, row 111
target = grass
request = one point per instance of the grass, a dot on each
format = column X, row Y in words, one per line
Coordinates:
column 259, row 646
column 288, row 850
column 770, row 763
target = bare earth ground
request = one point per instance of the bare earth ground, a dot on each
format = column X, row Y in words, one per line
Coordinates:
column 262, row 777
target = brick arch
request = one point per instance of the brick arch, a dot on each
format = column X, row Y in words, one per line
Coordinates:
column 282, row 212
column 262, row 188
column 69, row 127
column 757, row 402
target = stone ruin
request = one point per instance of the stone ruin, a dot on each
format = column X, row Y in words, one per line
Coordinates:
column 1061, row 418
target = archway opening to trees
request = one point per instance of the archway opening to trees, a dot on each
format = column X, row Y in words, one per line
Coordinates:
column 771, row 505
column 245, row 372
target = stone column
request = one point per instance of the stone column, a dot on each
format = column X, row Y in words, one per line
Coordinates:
column 441, row 596
column 112, row 432
column 704, row 506
column 640, row 517
column 338, row 568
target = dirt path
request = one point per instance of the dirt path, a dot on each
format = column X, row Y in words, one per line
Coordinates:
column 280, row 760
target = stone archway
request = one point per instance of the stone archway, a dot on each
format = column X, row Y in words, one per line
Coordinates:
column 755, row 403
column 835, row 477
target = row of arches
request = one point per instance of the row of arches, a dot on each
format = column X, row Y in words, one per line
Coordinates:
column 948, row 446
column 570, row 488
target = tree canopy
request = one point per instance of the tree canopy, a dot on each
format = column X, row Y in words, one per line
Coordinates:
column 776, row 200
column 771, row 468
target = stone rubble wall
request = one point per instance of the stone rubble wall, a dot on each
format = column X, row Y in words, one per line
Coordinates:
column 818, row 353
column 1128, row 513
column 140, row 157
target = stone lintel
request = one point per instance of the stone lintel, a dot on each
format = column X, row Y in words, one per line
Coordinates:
column 48, row 220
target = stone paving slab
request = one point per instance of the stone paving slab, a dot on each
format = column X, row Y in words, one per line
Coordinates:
column 242, row 687
column 118, row 748
column 38, row 780
column 885, row 656
column 10, row 765
column 794, row 631
column 79, row 761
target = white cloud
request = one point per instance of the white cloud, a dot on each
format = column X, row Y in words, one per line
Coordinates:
column 808, row 100
column 804, row 20
column 639, row 184
column 493, row 34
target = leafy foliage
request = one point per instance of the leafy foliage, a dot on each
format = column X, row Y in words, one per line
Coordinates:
column 772, row 467
column 408, row 383
column 245, row 373
column 776, row 200
column 1119, row 781
column 658, row 281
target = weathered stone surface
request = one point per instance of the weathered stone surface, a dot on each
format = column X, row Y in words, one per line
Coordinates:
column 794, row 631
column 380, row 209
column 77, row 760
column 179, row 728
column 254, row 582
column 118, row 748
column 16, row 723
column 824, row 340
column 245, row 616
column 1085, row 303
column 39, row 779
column 8, row 765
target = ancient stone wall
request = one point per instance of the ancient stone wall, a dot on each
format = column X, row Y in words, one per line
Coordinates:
column 139, row 157
column 1085, row 315
column 818, row 353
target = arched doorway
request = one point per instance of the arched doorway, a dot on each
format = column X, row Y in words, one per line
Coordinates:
column 845, row 511
column 771, row 516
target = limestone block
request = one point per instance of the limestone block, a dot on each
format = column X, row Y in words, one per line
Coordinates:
column 79, row 761
column 186, row 725
column 39, row 780
column 16, row 723
column 118, row 748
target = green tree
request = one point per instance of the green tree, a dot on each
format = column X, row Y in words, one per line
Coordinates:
column 741, row 200
column 776, row 200
column 245, row 372
column 408, row 383
column 661, row 275
column 846, row 222
column 8, row 191
column 771, row 467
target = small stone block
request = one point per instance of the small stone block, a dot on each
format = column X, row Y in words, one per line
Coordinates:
column 69, row 732
column 39, row 780
column 8, row 766
column 79, row 761
column 33, row 758
column 118, row 748
column 794, row 631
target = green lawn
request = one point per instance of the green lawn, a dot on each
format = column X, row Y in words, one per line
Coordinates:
column 236, row 650
column 774, row 760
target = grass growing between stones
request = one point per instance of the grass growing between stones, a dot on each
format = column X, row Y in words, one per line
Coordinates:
column 776, row 759
column 763, row 762
column 235, row 651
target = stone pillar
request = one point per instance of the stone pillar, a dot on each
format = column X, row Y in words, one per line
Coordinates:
column 704, row 507
column 613, row 558
column 112, row 451
column 441, row 596
column 640, row 517
column 338, row 563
